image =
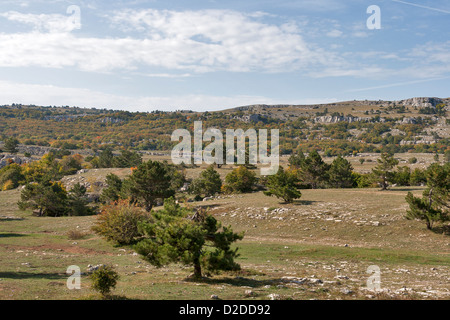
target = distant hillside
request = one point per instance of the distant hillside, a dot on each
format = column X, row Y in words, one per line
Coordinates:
column 410, row 125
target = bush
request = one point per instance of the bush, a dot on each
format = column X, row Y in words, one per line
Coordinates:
column 239, row 180
column 283, row 185
column 104, row 279
column 11, row 177
column 118, row 222
column 208, row 184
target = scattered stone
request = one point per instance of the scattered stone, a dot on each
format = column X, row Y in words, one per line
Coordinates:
column 249, row 293
column 315, row 281
column 91, row 268
column 214, row 297
column 346, row 291
column 274, row 296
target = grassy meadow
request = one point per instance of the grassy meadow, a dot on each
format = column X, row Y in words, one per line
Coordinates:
column 319, row 247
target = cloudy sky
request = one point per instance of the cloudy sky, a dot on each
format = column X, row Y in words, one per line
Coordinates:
column 210, row 54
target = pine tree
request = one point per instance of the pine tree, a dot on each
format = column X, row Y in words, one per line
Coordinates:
column 46, row 197
column 77, row 202
column 11, row 145
column 151, row 180
column 383, row 173
column 105, row 159
column 434, row 205
column 283, row 185
column 178, row 235
column 113, row 190
column 314, row 171
column 340, row 173
column 296, row 160
column 208, row 184
column 127, row 159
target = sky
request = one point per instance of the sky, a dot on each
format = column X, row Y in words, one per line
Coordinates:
column 206, row 55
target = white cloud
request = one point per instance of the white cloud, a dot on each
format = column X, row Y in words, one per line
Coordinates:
column 335, row 33
column 196, row 41
column 48, row 22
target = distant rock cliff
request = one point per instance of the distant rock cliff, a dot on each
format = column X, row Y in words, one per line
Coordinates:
column 421, row 102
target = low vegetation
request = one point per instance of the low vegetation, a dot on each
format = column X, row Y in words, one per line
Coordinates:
column 174, row 231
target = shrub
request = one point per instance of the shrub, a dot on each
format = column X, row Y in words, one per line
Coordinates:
column 239, row 180
column 8, row 185
column 104, row 279
column 11, row 177
column 208, row 184
column 118, row 222
column 283, row 185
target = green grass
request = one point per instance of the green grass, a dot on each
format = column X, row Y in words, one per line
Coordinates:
column 36, row 251
column 275, row 252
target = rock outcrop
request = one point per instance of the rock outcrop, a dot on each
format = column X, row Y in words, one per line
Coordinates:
column 6, row 159
column 421, row 102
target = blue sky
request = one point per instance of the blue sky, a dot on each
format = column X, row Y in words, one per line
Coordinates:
column 202, row 55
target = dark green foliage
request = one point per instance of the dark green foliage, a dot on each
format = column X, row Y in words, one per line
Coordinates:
column 177, row 175
column 113, row 190
column 105, row 159
column 447, row 156
column 434, row 204
column 383, row 173
column 127, row 159
column 60, row 153
column 77, row 202
column 104, row 279
column 283, row 185
column 402, row 177
column 340, row 173
column 47, row 198
column 362, row 180
column 151, row 181
column 208, row 184
column 296, row 160
column 11, row 145
column 418, row 177
column 176, row 234
column 314, row 171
